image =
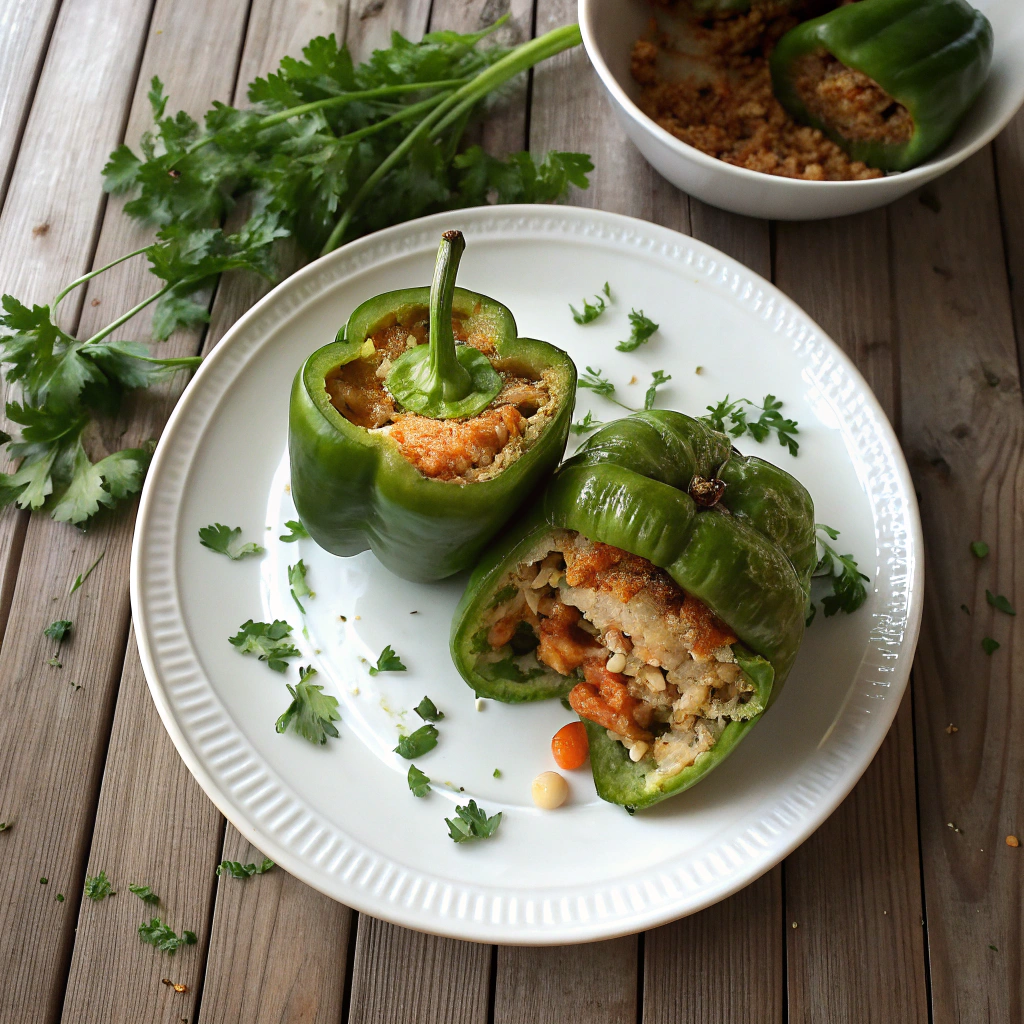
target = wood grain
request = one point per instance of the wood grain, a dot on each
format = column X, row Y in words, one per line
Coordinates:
column 25, row 27
column 963, row 434
column 405, row 977
column 1009, row 156
column 854, row 887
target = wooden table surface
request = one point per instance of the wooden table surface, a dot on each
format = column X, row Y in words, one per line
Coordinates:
column 887, row 913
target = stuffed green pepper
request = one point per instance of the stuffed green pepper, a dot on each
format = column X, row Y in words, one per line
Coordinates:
column 661, row 583
column 419, row 430
column 887, row 80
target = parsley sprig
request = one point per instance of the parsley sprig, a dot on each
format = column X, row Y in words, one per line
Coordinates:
column 236, row 869
column 388, row 661
column 98, row 887
column 164, row 938
column 417, row 743
column 296, row 531
column 842, row 571
column 58, row 630
column 226, row 540
column 312, row 713
column 642, row 329
column 595, row 380
column 268, row 641
column 419, row 783
column 427, row 710
column 591, row 310
column 471, row 823
column 299, row 585
column 732, row 417
column 145, row 893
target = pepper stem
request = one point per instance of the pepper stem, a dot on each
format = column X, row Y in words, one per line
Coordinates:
column 440, row 380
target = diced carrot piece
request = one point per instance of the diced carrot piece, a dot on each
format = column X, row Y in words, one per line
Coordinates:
column 570, row 747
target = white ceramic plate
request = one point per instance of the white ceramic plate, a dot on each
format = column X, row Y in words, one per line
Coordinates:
column 609, row 29
column 341, row 817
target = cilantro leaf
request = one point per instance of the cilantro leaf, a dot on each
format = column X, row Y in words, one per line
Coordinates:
column 1000, row 603
column 419, row 783
column 428, row 711
column 312, row 713
column 591, row 310
column 587, row 425
column 417, row 743
column 296, row 531
column 658, row 378
column 58, row 630
column 979, row 548
column 387, row 662
column 268, row 641
column 299, row 586
column 98, row 887
column 595, row 380
column 842, row 571
column 730, row 417
column 642, row 329
column 144, row 893
column 236, row 869
column 225, row 540
column 163, row 937
column 472, row 823
column 989, row 646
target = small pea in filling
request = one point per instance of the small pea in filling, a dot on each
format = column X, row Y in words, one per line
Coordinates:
column 650, row 663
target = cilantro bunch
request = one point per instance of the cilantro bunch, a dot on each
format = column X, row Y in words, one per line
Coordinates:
column 328, row 151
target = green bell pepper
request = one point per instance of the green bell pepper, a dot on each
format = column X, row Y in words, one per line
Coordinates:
column 930, row 56
column 735, row 532
column 353, row 487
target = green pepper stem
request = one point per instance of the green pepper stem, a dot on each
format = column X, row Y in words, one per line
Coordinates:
column 444, row 367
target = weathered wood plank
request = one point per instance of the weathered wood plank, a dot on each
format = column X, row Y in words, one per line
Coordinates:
column 1009, row 154
column 854, row 888
column 963, row 432
column 722, row 966
column 25, row 27
column 405, row 977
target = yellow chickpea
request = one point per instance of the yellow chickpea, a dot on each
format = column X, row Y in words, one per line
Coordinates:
column 549, row 790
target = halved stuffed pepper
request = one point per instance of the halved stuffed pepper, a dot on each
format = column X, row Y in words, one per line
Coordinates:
column 661, row 583
column 419, row 430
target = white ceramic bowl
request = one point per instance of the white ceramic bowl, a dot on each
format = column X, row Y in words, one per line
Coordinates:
column 609, row 28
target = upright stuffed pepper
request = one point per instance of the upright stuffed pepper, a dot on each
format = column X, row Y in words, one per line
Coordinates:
column 426, row 423
column 888, row 80
column 661, row 583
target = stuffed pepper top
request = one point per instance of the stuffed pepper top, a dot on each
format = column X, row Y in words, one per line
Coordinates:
column 662, row 585
column 420, row 429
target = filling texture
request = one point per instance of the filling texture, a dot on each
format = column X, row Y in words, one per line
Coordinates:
column 655, row 666
column 458, row 451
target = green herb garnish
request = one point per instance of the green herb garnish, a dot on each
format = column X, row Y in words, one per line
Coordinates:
column 419, row 784
column 999, row 602
column 848, row 590
column 144, row 893
column 472, row 823
column 979, row 548
column 587, row 425
column 226, row 541
column 83, row 576
column 98, row 887
column 58, row 630
column 158, row 934
column 642, row 329
column 312, row 713
column 299, row 586
column 731, row 417
column 417, row 743
column 658, row 378
column 296, row 531
column 236, row 869
column 387, row 662
column 591, row 311
column 268, row 641
column 990, row 646
column 496, row 773
column 428, row 712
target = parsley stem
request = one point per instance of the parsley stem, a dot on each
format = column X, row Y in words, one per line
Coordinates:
column 455, row 105
column 94, row 273
column 404, row 114
column 125, row 317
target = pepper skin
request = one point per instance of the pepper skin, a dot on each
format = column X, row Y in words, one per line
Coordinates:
column 748, row 557
column 354, row 490
column 932, row 56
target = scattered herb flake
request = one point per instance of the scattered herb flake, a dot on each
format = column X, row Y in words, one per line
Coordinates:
column 144, row 893
column 472, row 823
column 58, row 630
column 595, row 380
column 496, row 773
column 993, row 948
column 296, row 532
column 236, row 869
column 164, row 938
column 842, row 571
column 731, row 417
column 268, row 641
column 227, row 541
column 979, row 548
column 417, row 743
column 388, row 662
column 999, row 602
column 54, row 662
column 965, row 609
column 82, row 577
column 98, row 887
column 591, row 311
column 312, row 713
column 642, row 329
column 658, row 378
column 419, row 784
column 59, row 897
column 297, row 579
column 989, row 646
column 6, row 826
column 587, row 425
column 428, row 711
